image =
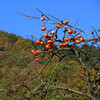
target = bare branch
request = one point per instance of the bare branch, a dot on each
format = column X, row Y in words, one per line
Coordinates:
column 62, row 88
column 86, row 42
column 77, row 22
column 54, row 69
column 95, row 31
column 28, row 15
column 42, row 13
column 85, row 69
column 41, row 69
column 54, row 17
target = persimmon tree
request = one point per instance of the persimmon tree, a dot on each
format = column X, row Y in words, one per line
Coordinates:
column 71, row 41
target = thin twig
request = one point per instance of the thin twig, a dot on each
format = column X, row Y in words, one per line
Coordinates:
column 62, row 88
column 41, row 69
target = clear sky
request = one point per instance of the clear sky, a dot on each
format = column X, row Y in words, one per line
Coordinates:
column 88, row 12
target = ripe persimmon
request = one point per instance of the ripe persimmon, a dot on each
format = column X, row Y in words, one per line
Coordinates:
column 81, row 39
column 66, row 29
column 36, row 59
column 42, row 43
column 37, row 51
column 92, row 32
column 66, row 22
column 49, row 41
column 32, row 51
column 42, row 18
column 95, row 41
column 79, row 35
column 77, row 41
column 60, row 44
column 74, row 32
column 45, row 34
column 66, row 39
column 43, row 28
column 51, row 49
column 75, row 38
column 57, row 25
column 51, row 35
column 47, row 46
column 37, row 42
column 65, row 43
column 70, row 31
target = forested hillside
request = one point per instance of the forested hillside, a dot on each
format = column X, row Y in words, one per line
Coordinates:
column 17, row 67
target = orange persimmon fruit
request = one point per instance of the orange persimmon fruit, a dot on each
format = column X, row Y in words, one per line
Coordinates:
column 36, row 59
column 77, row 41
column 42, row 18
column 60, row 44
column 79, row 35
column 49, row 41
column 47, row 46
column 43, row 28
column 66, row 39
column 57, row 25
column 51, row 35
column 66, row 22
column 92, row 32
column 37, row 42
column 66, row 29
column 95, row 41
column 70, row 31
column 45, row 34
column 81, row 39
column 65, row 43
column 37, row 51
column 51, row 50
column 32, row 51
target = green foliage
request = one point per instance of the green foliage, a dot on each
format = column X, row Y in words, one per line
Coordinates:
column 58, row 95
column 1, row 32
column 5, row 34
column 4, row 96
column 66, row 68
column 1, row 75
column 12, row 37
column 2, row 49
column 98, row 96
column 55, row 77
column 1, row 65
column 16, row 58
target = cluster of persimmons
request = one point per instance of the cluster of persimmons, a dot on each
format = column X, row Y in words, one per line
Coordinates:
column 51, row 37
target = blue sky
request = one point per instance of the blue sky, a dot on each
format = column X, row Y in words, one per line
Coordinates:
column 88, row 12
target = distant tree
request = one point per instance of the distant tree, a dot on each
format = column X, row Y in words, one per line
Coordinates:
column 12, row 37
